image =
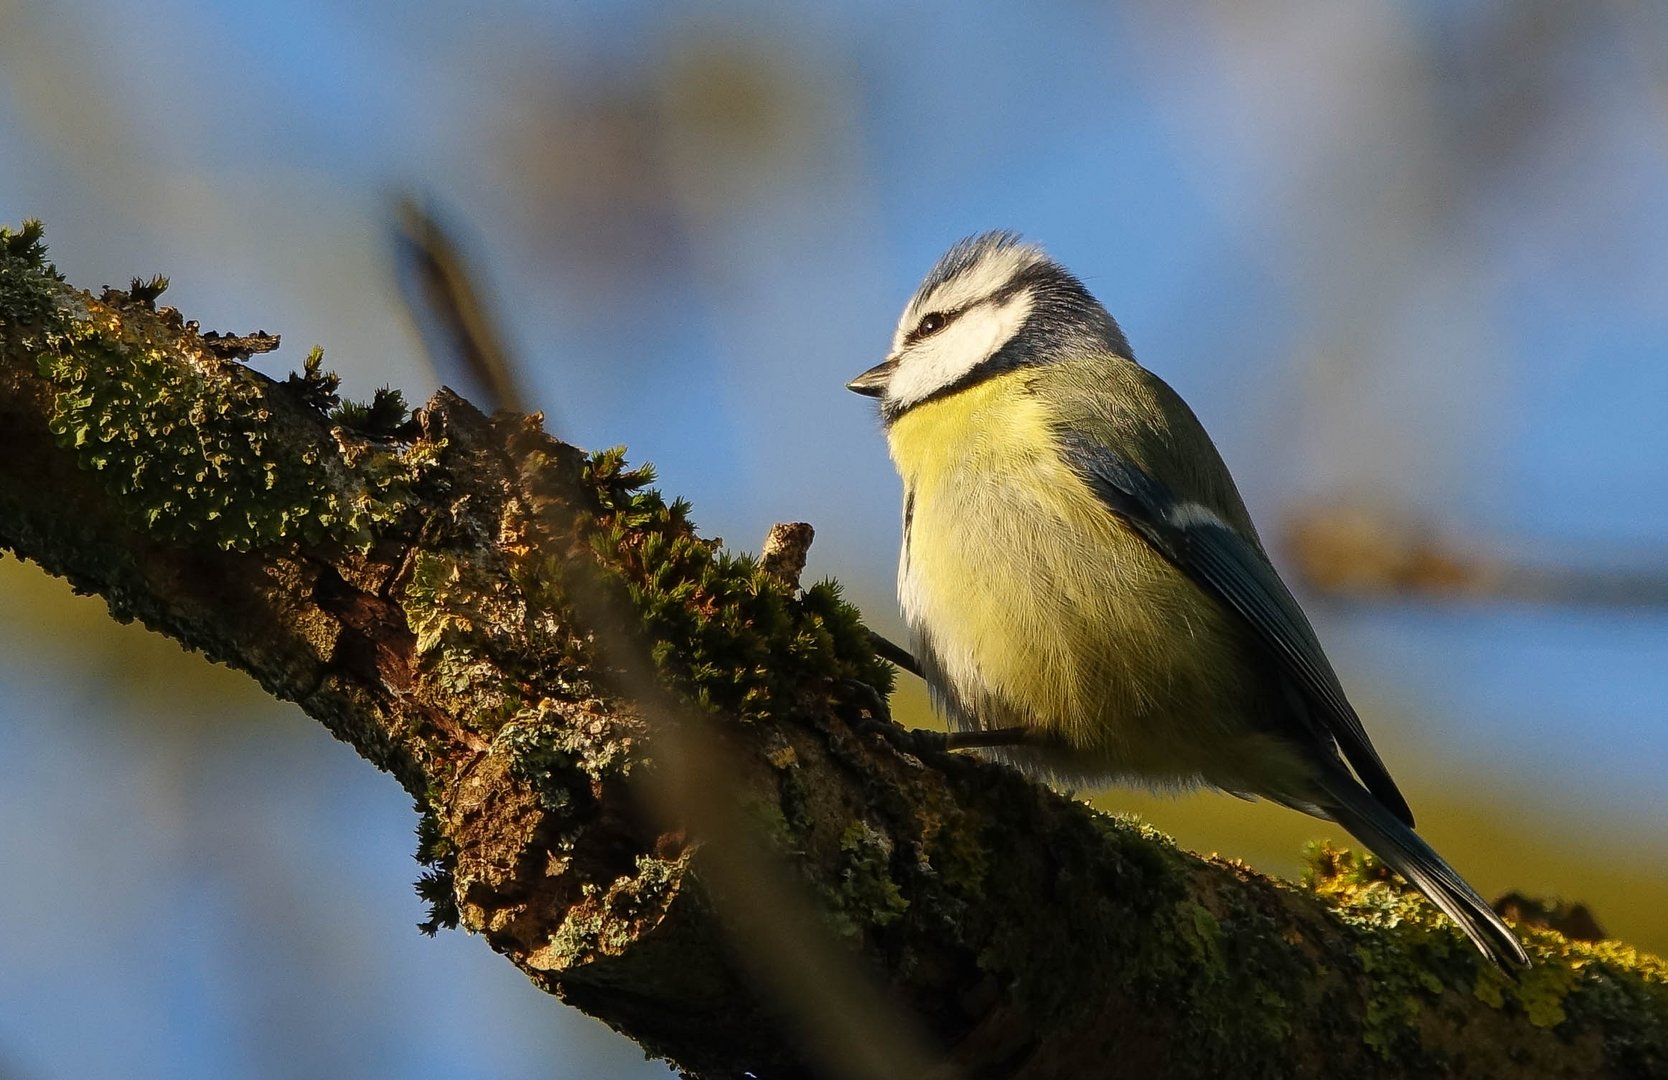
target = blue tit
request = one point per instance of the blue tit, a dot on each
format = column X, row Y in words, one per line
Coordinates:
column 1079, row 569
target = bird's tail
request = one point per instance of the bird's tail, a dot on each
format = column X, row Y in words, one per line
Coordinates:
column 1353, row 807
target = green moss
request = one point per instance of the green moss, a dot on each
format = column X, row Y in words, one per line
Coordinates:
column 729, row 637
column 1622, row 993
column 437, row 886
column 29, row 285
column 196, row 447
column 867, row 895
column 957, row 856
column 146, row 291
column 1123, row 823
column 313, row 386
column 383, row 416
column 734, row 638
column 1412, row 954
column 1366, row 893
column 1203, row 936
column 765, row 820
column 1543, row 989
column 1415, row 955
column 26, row 247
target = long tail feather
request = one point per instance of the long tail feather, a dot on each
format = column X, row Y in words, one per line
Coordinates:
column 1353, row 807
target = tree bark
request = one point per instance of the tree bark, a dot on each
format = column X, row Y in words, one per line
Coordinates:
column 652, row 775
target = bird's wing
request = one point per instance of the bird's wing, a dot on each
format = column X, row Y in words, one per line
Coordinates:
column 1226, row 565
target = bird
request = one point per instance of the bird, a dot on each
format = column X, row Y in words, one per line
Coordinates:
column 1086, row 595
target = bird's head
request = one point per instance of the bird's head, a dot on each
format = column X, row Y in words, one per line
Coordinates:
column 993, row 303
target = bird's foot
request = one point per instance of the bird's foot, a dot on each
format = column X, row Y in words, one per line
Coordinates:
column 877, row 719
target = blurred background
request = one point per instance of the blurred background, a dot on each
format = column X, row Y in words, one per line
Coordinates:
column 1407, row 257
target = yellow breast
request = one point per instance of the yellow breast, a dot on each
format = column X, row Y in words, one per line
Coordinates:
column 1041, row 607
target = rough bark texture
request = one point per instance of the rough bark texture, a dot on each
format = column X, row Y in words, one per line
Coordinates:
column 433, row 587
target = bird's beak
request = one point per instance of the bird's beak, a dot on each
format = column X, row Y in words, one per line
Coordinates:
column 872, row 383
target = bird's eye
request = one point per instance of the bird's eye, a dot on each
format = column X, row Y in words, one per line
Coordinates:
column 930, row 324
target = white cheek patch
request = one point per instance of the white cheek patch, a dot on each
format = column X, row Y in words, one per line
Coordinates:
column 981, row 280
column 946, row 357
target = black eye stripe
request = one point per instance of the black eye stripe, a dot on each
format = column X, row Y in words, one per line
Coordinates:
column 934, row 321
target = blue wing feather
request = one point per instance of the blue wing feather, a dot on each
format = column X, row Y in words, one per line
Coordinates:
column 1232, row 568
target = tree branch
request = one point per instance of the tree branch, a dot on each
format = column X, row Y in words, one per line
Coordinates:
column 490, row 615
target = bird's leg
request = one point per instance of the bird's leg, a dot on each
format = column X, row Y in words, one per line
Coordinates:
column 973, row 740
column 920, row 740
column 895, row 654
